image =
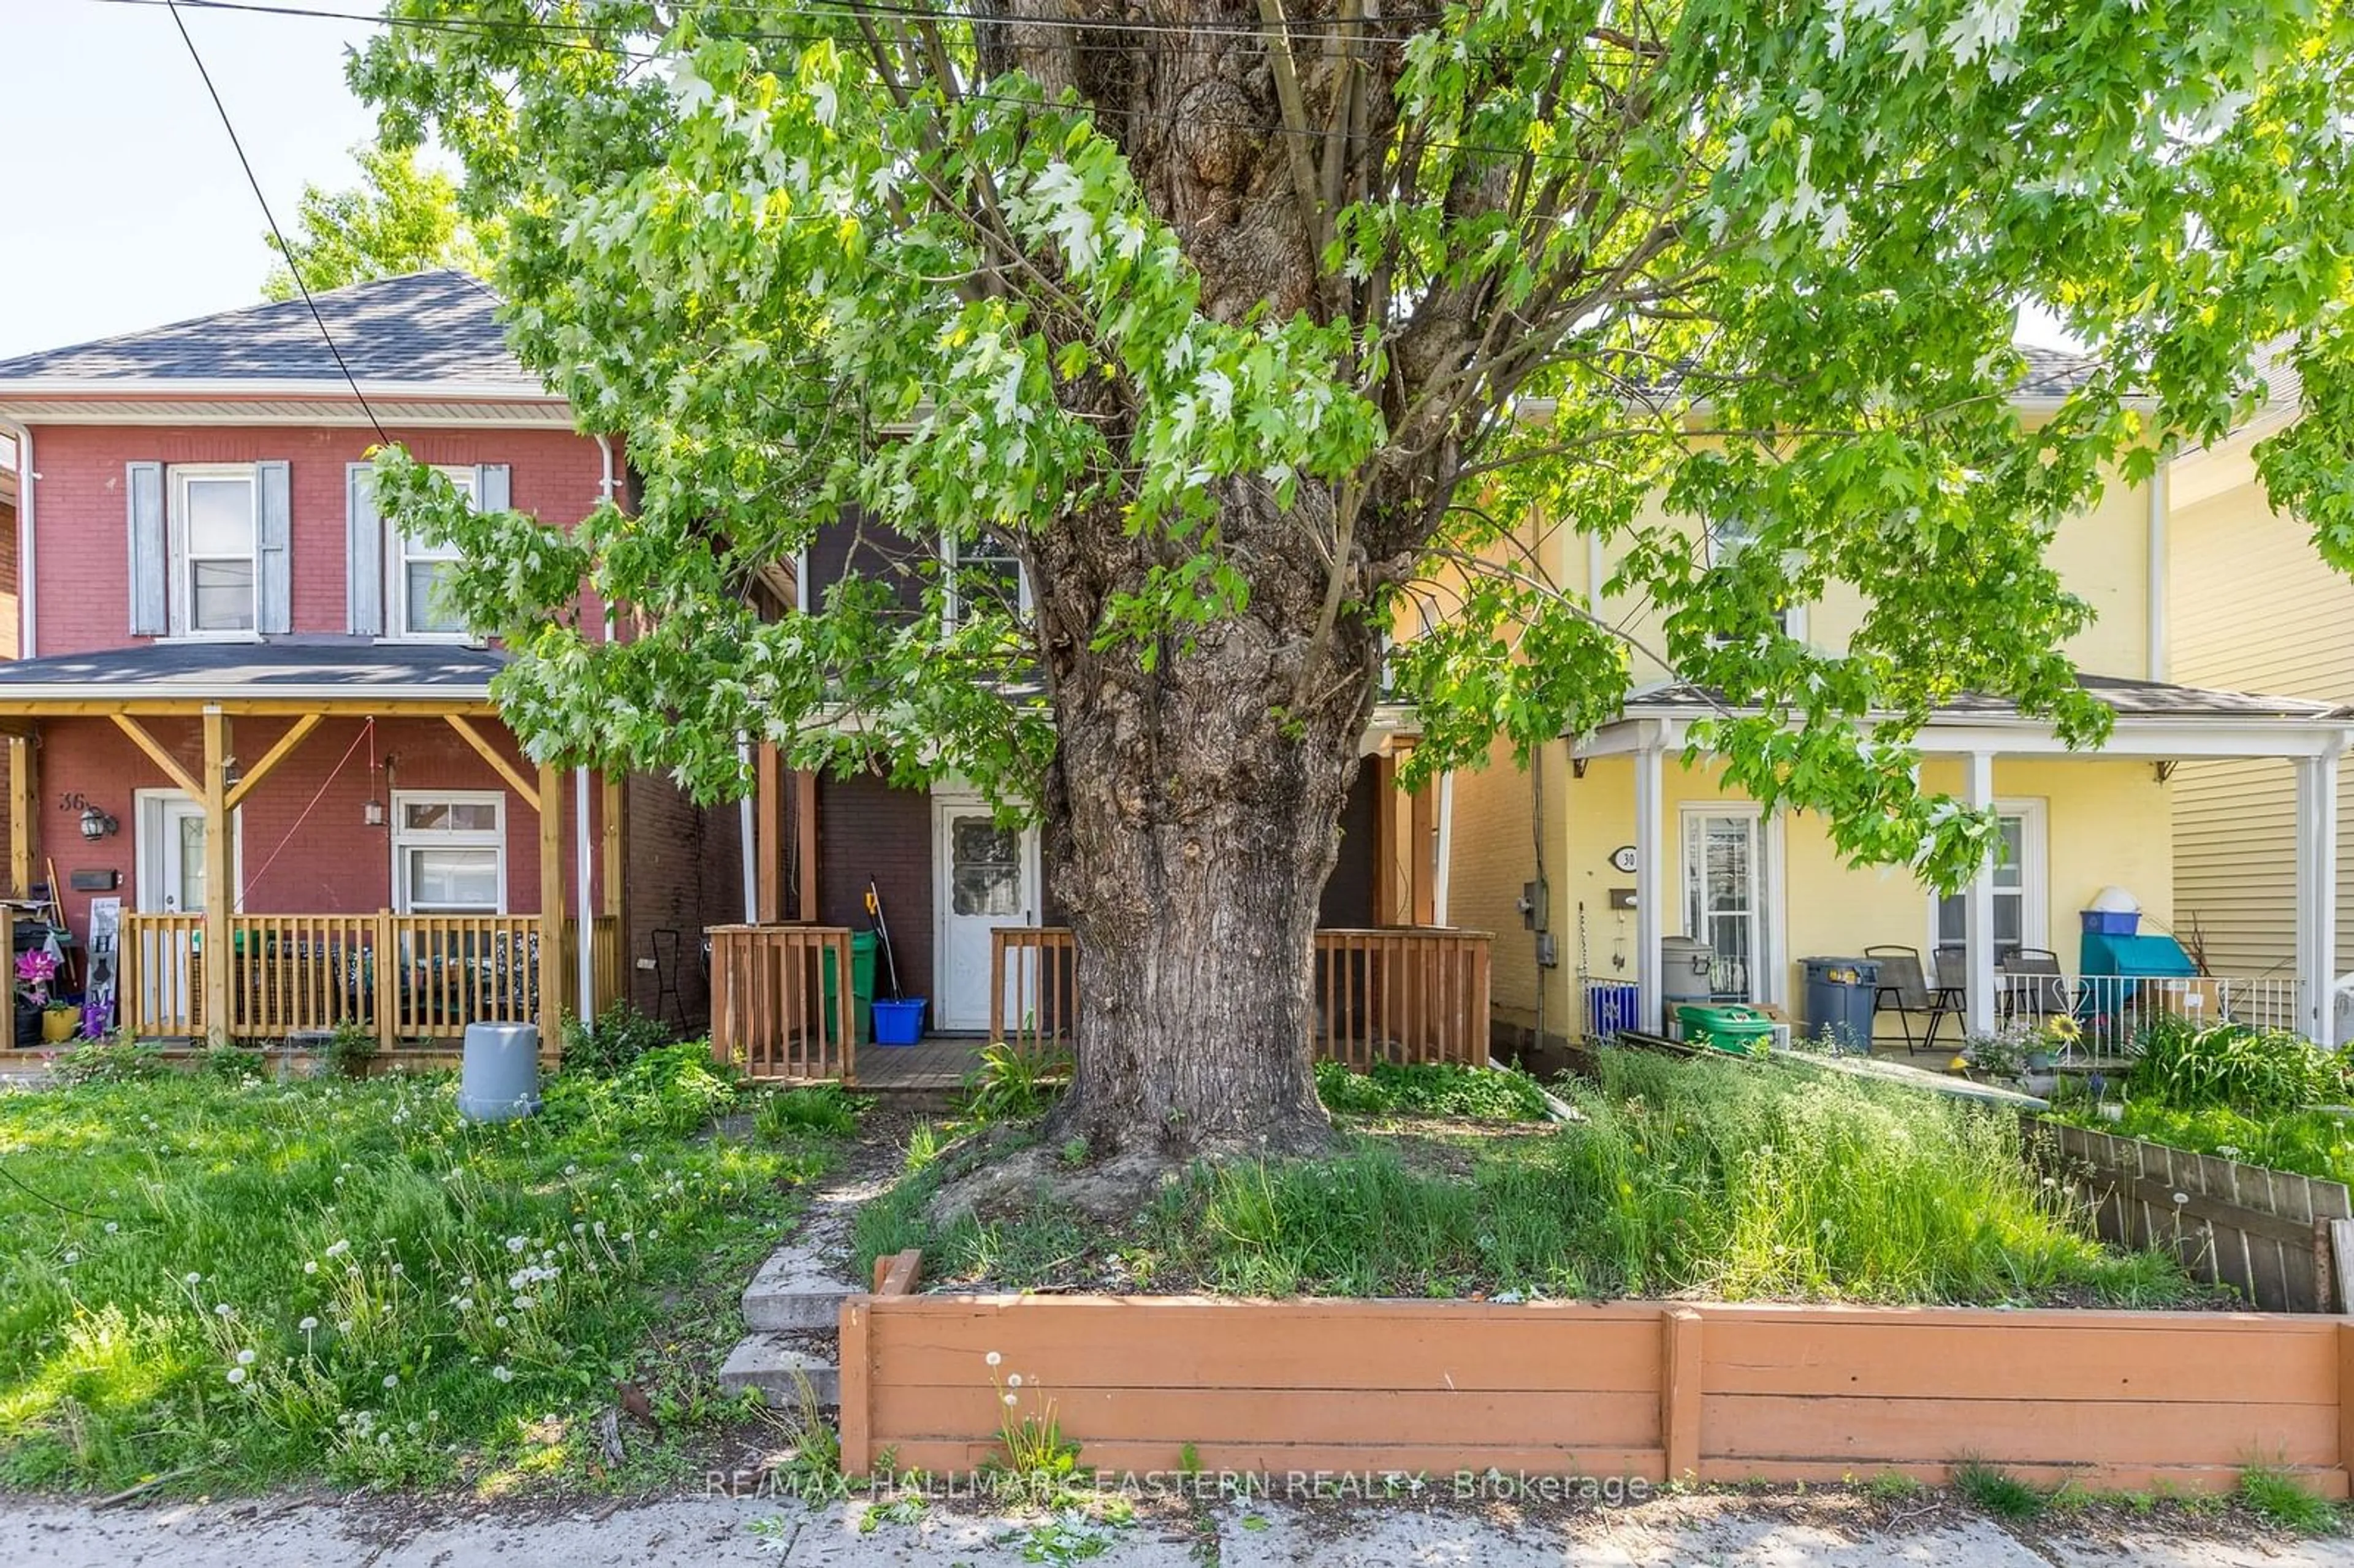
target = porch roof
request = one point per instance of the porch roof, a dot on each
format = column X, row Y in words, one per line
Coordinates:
column 339, row 675
column 2154, row 719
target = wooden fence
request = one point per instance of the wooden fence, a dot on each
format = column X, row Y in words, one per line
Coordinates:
column 1402, row 995
column 418, row 978
column 768, row 1012
column 1657, row 1390
column 2264, row 1233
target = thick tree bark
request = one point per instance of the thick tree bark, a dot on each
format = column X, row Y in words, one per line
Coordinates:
column 1192, row 818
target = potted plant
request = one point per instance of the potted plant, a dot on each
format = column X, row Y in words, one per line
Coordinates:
column 35, row 970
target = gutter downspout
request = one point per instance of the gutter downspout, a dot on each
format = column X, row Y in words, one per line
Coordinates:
column 25, row 485
column 584, row 851
column 2160, row 504
column 744, row 830
column 1445, row 850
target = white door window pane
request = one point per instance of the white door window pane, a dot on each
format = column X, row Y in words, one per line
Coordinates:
column 1722, row 896
column 221, row 595
column 191, row 850
column 2012, row 893
column 985, row 867
column 449, row 854
column 451, row 816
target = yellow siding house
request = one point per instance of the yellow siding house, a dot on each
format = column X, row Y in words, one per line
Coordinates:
column 1587, row 861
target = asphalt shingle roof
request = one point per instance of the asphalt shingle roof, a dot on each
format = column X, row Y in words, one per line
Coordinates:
column 427, row 328
column 256, row 669
column 2131, row 699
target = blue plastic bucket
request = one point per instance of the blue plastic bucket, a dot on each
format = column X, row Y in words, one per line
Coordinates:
column 900, row 1022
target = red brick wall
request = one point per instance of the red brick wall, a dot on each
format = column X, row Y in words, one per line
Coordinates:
column 685, row 873
column 307, row 848
column 83, row 548
column 866, row 829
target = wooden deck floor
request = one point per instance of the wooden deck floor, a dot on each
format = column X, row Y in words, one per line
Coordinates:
column 937, row 1062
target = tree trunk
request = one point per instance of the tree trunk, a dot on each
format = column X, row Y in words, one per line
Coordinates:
column 1193, row 817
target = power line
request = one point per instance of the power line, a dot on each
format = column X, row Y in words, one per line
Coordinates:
column 293, row 267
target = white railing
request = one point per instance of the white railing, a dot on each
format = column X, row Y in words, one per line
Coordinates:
column 2113, row 1011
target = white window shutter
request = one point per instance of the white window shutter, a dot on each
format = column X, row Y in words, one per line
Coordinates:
column 362, row 551
column 143, row 484
column 491, row 489
column 274, row 531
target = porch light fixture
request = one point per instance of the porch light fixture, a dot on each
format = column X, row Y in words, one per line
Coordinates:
column 372, row 814
column 97, row 824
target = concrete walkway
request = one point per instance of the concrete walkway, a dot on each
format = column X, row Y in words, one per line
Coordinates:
column 1682, row 1532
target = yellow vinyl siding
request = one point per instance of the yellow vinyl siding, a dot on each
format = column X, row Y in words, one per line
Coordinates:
column 2251, row 608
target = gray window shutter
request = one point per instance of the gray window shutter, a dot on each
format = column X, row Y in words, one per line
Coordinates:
column 364, row 551
column 274, row 573
column 491, row 492
column 142, row 483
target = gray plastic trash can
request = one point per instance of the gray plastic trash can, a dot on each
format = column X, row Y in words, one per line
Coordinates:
column 1840, row 994
column 500, row 1080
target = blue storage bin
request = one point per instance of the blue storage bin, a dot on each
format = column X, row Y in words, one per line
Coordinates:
column 898, row 1022
column 2111, row 922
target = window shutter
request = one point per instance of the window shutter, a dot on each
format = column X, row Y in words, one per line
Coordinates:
column 491, row 492
column 150, row 550
column 273, row 572
column 362, row 551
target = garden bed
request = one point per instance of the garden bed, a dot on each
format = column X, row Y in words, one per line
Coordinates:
column 234, row 1282
column 1244, row 1394
column 1679, row 1179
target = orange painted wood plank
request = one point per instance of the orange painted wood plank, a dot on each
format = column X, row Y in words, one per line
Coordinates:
column 1338, row 1420
column 2328, row 1481
column 1116, row 1460
column 1872, row 1432
column 2345, row 1337
column 1683, row 1364
column 2000, row 1360
column 856, row 1358
column 900, row 1273
column 1293, row 1345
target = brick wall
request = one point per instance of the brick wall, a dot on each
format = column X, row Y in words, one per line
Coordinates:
column 685, row 873
column 306, row 847
column 867, row 829
column 82, row 549
column 1348, row 901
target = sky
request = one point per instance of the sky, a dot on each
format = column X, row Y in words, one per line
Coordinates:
column 124, row 206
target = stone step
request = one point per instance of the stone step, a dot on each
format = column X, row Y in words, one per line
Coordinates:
column 795, row 1290
column 774, row 1364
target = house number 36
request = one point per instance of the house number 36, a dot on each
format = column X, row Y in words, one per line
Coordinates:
column 72, row 800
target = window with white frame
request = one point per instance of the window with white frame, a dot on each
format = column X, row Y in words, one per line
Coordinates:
column 421, row 573
column 449, row 852
column 213, row 591
column 985, row 572
column 1727, row 537
column 2021, row 889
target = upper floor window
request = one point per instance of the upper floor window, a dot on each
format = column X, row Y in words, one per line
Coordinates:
column 1727, row 537
column 420, row 574
column 217, row 517
column 984, row 573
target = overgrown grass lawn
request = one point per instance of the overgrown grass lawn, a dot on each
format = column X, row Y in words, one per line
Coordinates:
column 239, row 1283
column 1684, row 1178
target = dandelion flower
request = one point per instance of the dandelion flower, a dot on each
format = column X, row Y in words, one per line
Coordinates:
column 193, row 1279
column 112, row 1227
column 500, row 1322
column 397, row 1268
column 992, row 1358
column 223, row 1309
column 310, row 1268
column 73, row 1258
column 1013, row 1381
column 1012, row 1399
column 516, row 1244
column 245, row 1358
column 465, row 1303
column 339, row 1248
column 502, row 1374
column 579, row 1229
column 392, row 1380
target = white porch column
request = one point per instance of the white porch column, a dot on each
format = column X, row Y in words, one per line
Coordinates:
column 1443, row 853
column 1650, row 887
column 1977, row 903
column 2316, row 895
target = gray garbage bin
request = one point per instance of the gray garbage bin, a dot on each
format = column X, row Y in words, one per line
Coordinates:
column 1840, row 994
column 500, row 1079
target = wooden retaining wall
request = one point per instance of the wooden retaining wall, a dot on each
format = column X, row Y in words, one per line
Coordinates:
column 1655, row 1390
column 2264, row 1233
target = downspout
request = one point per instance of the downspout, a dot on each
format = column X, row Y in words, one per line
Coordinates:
column 1445, row 850
column 584, row 853
column 744, row 830
column 25, row 476
column 2156, row 573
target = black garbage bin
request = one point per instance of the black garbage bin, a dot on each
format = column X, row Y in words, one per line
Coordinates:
column 1840, row 994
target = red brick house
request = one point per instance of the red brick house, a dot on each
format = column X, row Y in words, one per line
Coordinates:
column 217, row 628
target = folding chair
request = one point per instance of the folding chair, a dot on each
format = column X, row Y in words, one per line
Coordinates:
column 2031, row 981
column 1904, row 991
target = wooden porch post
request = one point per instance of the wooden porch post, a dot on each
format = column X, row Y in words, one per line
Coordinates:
column 805, row 822
column 768, row 843
column 1422, row 857
column 23, row 793
column 551, row 909
column 221, row 892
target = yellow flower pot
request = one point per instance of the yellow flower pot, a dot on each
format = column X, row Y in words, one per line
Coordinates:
column 60, row 1025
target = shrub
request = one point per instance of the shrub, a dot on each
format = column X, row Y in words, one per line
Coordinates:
column 351, row 1049
column 1431, row 1088
column 671, row 1090
column 231, row 1063
column 618, row 1036
column 117, row 1061
column 2231, row 1065
column 822, row 1108
column 1011, row 1085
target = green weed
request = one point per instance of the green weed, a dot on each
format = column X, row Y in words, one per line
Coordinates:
column 2280, row 1500
column 1998, row 1492
column 1431, row 1089
column 825, row 1110
column 1011, row 1085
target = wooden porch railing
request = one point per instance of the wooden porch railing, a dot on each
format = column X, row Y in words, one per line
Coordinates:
column 402, row 977
column 605, row 952
column 768, row 1012
column 1408, row 994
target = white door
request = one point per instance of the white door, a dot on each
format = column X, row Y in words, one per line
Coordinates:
column 172, row 881
column 983, row 876
column 1724, row 897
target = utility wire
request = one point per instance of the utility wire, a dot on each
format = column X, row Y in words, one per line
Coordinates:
column 293, row 267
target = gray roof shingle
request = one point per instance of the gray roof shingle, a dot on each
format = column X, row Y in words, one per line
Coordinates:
column 259, row 669
column 2129, row 698
column 434, row 328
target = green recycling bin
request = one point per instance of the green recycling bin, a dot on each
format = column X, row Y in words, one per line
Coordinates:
column 1725, row 1026
column 861, row 988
